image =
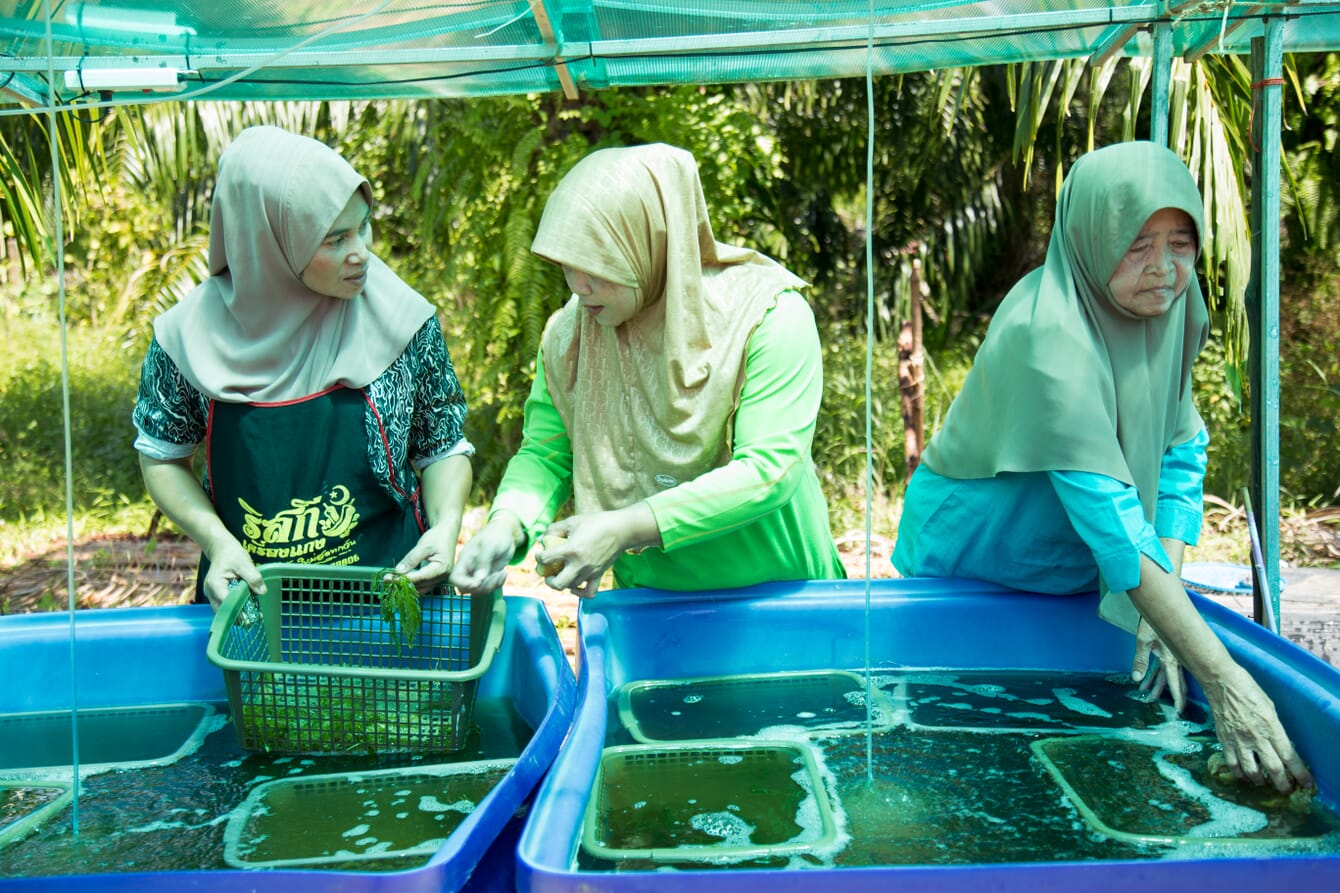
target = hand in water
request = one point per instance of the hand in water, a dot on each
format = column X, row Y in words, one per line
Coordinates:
column 1167, row 674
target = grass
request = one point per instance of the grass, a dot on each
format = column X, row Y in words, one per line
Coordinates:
column 109, row 498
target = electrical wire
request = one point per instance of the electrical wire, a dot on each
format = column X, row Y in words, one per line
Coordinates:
column 58, row 249
column 869, row 370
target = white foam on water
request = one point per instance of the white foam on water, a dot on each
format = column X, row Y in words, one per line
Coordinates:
column 1040, row 717
column 357, row 830
column 1069, row 698
column 171, row 826
column 1226, row 819
column 692, row 699
column 429, row 803
column 931, row 678
column 808, row 816
column 733, row 830
column 730, row 759
column 989, row 691
column 805, row 714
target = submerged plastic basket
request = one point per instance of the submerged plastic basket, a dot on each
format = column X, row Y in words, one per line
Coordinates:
column 26, row 805
column 109, row 737
column 1145, row 793
column 820, row 702
column 357, row 818
column 311, row 667
column 709, row 801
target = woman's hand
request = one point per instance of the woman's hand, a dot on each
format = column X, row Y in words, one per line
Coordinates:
column 1253, row 740
column 229, row 562
column 429, row 562
column 587, row 544
column 1168, row 672
column 482, row 563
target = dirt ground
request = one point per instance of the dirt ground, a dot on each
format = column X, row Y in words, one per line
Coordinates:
column 128, row 570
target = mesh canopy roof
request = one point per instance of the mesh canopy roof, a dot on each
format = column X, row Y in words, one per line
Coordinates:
column 351, row 49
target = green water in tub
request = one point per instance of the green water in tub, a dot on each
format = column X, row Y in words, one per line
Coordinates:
column 968, row 768
column 175, row 817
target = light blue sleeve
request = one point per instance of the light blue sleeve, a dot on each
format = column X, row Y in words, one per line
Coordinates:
column 1107, row 515
column 1181, row 503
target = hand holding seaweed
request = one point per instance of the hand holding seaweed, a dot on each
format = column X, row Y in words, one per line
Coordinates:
column 400, row 606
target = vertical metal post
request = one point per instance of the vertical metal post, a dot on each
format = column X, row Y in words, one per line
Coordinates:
column 1263, row 300
column 1162, row 83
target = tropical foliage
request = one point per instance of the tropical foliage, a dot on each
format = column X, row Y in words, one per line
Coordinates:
column 965, row 167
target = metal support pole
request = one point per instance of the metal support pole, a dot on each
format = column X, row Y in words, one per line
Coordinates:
column 1162, row 84
column 1263, row 300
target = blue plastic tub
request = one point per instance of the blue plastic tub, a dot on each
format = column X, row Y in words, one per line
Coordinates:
column 152, row 656
column 636, row 635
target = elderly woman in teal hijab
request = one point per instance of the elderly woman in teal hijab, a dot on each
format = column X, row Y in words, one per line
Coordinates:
column 1073, row 458
column 675, row 398
column 315, row 382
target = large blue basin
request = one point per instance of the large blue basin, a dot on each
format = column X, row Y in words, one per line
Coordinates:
column 144, row 656
column 647, row 635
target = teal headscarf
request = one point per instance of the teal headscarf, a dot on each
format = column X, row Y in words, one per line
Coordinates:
column 1066, row 379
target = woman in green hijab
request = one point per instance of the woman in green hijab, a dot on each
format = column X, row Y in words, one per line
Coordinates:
column 675, row 398
column 1073, row 458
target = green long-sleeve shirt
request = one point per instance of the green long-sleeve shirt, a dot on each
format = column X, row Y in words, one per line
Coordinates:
column 760, row 517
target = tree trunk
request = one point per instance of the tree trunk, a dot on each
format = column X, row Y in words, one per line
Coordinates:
column 911, row 376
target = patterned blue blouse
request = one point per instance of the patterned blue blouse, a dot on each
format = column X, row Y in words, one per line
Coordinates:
column 417, row 404
column 1051, row 532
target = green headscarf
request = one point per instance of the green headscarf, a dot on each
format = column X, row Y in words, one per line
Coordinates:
column 1066, row 379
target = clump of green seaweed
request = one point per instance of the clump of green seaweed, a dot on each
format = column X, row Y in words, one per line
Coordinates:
column 400, row 607
column 336, row 715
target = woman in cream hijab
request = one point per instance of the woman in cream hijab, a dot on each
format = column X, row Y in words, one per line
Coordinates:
column 675, row 400
column 316, row 381
column 1073, row 458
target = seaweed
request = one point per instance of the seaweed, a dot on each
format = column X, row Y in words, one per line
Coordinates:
column 400, row 607
column 346, row 715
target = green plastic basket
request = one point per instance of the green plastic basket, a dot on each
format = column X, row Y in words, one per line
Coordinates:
column 25, row 805
column 312, row 668
column 820, row 702
column 109, row 737
column 1144, row 793
column 357, row 818
column 709, row 801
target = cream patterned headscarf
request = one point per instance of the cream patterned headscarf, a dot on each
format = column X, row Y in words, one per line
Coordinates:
column 649, row 404
column 252, row 332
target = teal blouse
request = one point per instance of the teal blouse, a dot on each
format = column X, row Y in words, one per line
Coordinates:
column 1051, row 532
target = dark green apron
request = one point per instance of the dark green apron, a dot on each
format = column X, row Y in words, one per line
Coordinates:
column 292, row 482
